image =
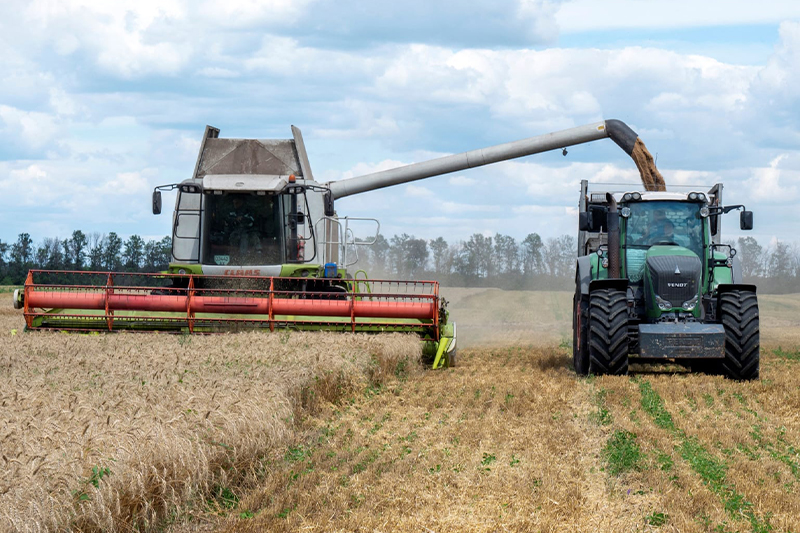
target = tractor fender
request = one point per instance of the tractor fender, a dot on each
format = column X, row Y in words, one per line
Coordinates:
column 620, row 284
column 583, row 273
column 727, row 287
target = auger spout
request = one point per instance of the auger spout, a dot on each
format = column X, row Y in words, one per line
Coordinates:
column 616, row 130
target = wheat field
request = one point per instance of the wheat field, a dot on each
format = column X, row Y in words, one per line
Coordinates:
column 258, row 432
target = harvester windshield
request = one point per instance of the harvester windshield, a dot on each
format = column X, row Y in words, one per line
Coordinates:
column 661, row 222
column 243, row 229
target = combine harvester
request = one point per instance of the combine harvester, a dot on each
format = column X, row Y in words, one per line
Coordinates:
column 257, row 244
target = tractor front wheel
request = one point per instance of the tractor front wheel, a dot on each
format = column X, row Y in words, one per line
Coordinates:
column 608, row 332
column 738, row 312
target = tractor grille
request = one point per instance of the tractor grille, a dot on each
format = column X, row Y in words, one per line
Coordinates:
column 671, row 286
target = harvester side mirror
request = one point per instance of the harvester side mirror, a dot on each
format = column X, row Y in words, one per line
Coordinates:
column 156, row 202
column 327, row 200
column 746, row 220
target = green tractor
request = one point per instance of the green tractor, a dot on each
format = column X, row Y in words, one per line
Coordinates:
column 655, row 284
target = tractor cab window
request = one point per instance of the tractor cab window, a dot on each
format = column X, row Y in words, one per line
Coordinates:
column 661, row 222
column 243, row 229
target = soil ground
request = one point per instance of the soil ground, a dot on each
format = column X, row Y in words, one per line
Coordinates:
column 509, row 440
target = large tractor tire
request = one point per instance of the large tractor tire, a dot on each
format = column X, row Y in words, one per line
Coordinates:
column 580, row 333
column 738, row 312
column 608, row 332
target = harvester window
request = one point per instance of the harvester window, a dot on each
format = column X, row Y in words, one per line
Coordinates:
column 243, row 229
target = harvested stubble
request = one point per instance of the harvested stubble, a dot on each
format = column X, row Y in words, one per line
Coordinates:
column 114, row 432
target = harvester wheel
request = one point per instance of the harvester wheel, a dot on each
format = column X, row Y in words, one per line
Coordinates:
column 580, row 337
column 452, row 357
column 738, row 312
column 608, row 332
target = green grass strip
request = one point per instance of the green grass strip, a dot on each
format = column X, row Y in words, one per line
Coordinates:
column 710, row 469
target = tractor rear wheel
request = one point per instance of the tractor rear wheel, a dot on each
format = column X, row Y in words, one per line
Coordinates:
column 738, row 312
column 580, row 337
column 608, row 332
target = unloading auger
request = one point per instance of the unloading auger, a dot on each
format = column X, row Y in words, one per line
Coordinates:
column 257, row 244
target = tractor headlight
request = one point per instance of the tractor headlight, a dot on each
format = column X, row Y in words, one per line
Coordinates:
column 604, row 262
column 704, row 211
column 627, row 197
column 663, row 304
column 600, row 252
column 637, row 196
column 689, row 305
column 625, row 212
column 692, row 196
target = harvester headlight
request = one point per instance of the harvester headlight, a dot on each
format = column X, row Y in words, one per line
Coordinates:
column 689, row 305
column 637, row 196
column 663, row 304
column 704, row 211
column 182, row 271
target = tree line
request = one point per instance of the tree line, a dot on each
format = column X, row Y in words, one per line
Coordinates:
column 93, row 252
column 535, row 263
column 480, row 261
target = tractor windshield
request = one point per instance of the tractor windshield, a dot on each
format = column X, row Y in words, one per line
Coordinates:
column 661, row 222
column 243, row 229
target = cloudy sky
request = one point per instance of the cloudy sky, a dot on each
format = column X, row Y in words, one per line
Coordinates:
column 101, row 101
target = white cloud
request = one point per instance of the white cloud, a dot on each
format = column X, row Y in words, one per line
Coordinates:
column 770, row 184
column 415, row 191
column 588, row 15
column 28, row 130
column 462, row 181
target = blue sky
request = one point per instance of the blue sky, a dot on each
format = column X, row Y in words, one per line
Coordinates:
column 101, row 101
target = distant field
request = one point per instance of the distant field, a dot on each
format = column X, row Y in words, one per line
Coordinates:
column 238, row 432
column 494, row 317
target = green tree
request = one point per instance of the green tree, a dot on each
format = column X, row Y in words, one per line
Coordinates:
column 97, row 243
column 76, row 250
column 532, row 254
column 506, row 254
column 751, row 257
column 133, row 256
column 111, row 252
column 441, row 261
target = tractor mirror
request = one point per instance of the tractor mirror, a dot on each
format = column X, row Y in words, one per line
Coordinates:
column 746, row 220
column 327, row 200
column 598, row 218
column 156, row 202
column 584, row 221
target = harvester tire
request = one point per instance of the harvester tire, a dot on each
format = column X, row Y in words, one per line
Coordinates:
column 580, row 334
column 608, row 332
column 452, row 358
column 738, row 312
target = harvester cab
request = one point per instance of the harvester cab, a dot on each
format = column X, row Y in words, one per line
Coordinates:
column 252, row 208
column 655, row 283
column 257, row 243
